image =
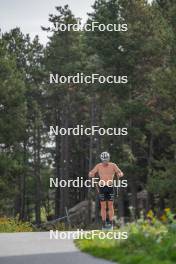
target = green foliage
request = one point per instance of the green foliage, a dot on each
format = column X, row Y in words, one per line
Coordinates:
column 145, row 244
column 145, row 105
column 9, row 225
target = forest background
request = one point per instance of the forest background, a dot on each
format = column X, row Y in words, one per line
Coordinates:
column 146, row 105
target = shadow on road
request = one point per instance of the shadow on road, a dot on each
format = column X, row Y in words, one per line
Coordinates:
column 53, row 258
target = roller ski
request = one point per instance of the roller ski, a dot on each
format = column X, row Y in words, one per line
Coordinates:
column 107, row 226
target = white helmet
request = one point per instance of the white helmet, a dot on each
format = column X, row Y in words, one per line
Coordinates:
column 105, row 156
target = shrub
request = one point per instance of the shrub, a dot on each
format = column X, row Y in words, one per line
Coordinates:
column 147, row 243
column 13, row 225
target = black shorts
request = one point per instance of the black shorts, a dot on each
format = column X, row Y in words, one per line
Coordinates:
column 106, row 193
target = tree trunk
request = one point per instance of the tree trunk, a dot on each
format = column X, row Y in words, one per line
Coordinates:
column 57, row 166
column 64, row 159
column 23, row 186
column 37, row 170
column 150, row 199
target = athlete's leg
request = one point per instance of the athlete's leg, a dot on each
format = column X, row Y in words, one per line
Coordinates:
column 111, row 210
column 103, row 210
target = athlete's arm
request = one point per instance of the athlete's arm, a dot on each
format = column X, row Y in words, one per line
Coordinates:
column 118, row 172
column 94, row 171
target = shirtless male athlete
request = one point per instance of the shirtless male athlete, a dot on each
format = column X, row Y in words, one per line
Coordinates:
column 106, row 171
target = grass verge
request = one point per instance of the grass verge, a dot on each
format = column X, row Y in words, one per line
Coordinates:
column 141, row 247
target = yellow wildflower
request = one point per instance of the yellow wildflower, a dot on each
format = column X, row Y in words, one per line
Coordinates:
column 163, row 218
column 167, row 210
column 150, row 214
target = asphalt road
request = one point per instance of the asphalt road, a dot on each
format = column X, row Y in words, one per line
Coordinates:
column 38, row 248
